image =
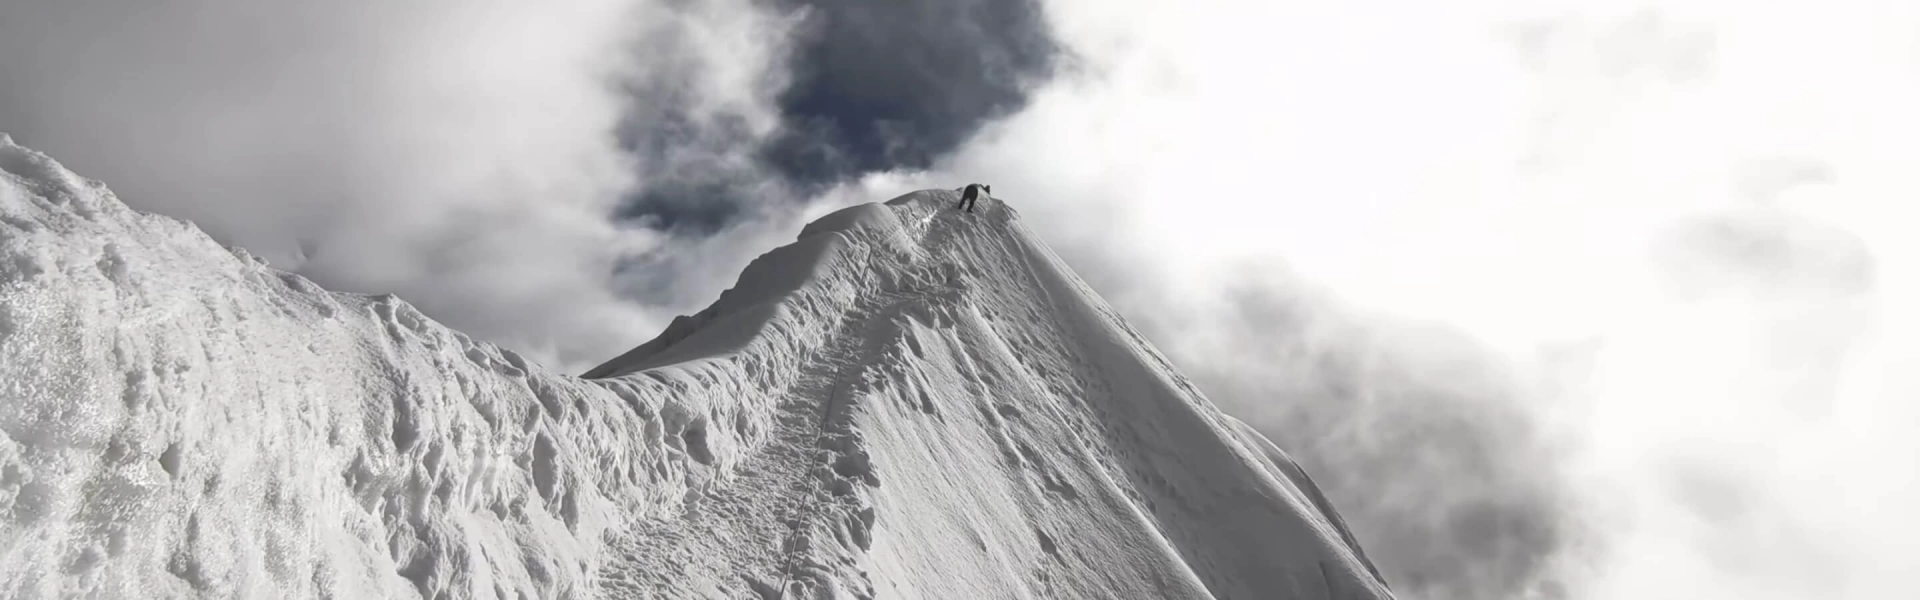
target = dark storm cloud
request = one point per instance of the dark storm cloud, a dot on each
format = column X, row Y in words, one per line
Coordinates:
column 879, row 85
column 1443, row 481
column 465, row 154
column 1412, row 431
column 703, row 176
column 871, row 86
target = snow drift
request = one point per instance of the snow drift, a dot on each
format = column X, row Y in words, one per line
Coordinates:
column 907, row 402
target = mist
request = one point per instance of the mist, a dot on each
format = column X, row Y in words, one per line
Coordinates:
column 466, row 156
column 1558, row 301
column 1583, row 300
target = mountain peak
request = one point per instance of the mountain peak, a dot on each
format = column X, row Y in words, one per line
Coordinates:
column 907, row 401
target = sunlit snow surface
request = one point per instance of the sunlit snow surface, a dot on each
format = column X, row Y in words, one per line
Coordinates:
column 907, row 402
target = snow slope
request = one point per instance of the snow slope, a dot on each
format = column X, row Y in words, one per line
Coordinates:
column 906, row 402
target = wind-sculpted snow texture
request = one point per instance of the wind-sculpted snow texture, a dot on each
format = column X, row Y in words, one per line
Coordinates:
column 907, row 402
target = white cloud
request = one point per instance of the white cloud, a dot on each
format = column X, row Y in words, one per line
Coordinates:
column 1673, row 196
column 463, row 154
column 1695, row 206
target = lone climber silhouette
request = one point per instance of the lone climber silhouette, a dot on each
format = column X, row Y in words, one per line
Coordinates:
column 971, row 194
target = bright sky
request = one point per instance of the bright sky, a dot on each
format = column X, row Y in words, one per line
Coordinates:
column 1381, row 147
column 1720, row 193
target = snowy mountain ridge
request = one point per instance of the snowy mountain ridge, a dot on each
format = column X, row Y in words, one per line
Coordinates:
column 906, row 402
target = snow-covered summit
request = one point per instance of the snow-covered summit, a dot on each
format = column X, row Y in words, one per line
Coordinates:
column 907, row 402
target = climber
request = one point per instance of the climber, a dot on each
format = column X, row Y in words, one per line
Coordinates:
column 971, row 194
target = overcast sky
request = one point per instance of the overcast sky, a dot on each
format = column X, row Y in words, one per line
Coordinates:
column 1583, row 299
